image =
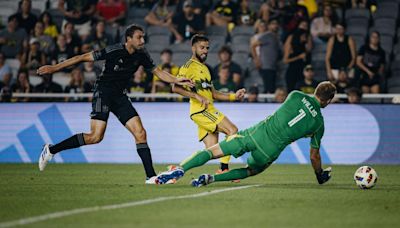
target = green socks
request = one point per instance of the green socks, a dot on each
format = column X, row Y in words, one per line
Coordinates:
column 197, row 159
column 233, row 174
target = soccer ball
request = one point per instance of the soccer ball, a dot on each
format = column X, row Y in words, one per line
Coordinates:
column 365, row 177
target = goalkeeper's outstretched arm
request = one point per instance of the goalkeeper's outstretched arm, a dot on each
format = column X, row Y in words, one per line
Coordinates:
column 322, row 175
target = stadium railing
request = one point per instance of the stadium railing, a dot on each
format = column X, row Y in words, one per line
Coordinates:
column 366, row 98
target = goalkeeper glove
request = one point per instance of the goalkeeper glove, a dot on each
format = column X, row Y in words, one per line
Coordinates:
column 323, row 175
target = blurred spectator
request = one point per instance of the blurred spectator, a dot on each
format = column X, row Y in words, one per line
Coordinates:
column 99, row 38
column 5, row 70
column 26, row 19
column 5, row 92
column 340, row 53
column 270, row 53
column 46, row 43
column 73, row 41
column 11, row 38
column 22, row 85
column 62, row 52
column 371, row 62
column 354, row 95
column 50, row 27
column 245, row 15
column 359, row 3
column 311, row 5
column 280, row 95
column 113, row 12
column 225, row 59
column 200, row 7
column 77, row 84
column 79, row 13
column 167, row 65
column 90, row 72
column 159, row 86
column 138, row 83
column 343, row 82
column 322, row 28
column 252, row 95
column 293, row 14
column 48, row 86
column 160, row 14
column 142, row 3
column 296, row 54
column 260, row 28
column 308, row 84
column 5, row 80
column 222, row 13
column 33, row 58
column 223, row 84
column 187, row 23
column 271, row 9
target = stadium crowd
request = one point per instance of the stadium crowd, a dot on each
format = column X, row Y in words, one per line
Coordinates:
column 266, row 46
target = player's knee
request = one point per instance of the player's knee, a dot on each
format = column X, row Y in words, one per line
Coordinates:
column 140, row 135
column 232, row 130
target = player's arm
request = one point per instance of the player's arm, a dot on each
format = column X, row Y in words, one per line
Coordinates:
column 169, row 78
column 186, row 93
column 49, row 69
column 239, row 95
column 323, row 175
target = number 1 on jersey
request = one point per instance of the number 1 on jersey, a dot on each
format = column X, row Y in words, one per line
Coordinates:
column 297, row 118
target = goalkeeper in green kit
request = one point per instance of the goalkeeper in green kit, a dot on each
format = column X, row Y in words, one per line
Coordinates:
column 299, row 116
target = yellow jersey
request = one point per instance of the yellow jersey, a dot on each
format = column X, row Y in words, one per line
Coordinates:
column 201, row 76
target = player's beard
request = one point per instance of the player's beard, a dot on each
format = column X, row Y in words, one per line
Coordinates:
column 201, row 59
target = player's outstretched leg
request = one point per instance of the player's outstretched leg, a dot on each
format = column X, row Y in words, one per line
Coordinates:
column 234, row 174
column 97, row 129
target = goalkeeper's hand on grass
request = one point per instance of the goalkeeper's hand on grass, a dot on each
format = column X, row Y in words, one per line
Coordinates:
column 323, row 175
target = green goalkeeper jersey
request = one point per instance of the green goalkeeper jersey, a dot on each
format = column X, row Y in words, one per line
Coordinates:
column 299, row 116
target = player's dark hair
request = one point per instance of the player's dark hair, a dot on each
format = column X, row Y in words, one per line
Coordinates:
column 325, row 91
column 131, row 30
column 199, row 38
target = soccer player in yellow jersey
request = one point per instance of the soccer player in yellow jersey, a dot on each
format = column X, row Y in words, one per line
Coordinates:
column 209, row 120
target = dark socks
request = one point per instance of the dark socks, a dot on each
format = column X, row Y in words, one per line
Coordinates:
column 69, row 143
column 144, row 154
column 224, row 166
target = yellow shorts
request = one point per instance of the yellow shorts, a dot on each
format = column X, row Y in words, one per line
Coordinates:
column 207, row 121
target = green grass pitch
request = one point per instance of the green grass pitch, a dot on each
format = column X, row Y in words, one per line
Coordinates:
column 287, row 196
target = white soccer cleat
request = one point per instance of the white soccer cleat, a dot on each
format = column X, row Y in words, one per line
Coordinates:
column 151, row 180
column 170, row 176
column 203, row 180
column 45, row 157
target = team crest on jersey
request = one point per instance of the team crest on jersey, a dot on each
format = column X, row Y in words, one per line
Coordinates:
column 121, row 61
column 216, row 113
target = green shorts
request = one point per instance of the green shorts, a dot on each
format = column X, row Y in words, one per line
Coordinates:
column 256, row 141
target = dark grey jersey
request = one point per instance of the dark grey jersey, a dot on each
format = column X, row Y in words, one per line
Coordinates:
column 120, row 66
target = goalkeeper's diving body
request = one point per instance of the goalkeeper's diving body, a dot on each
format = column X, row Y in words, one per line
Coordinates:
column 298, row 117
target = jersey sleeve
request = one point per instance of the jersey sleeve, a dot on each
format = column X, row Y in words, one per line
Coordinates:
column 147, row 62
column 316, row 138
column 99, row 54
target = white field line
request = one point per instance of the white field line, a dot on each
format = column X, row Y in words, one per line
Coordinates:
column 60, row 214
